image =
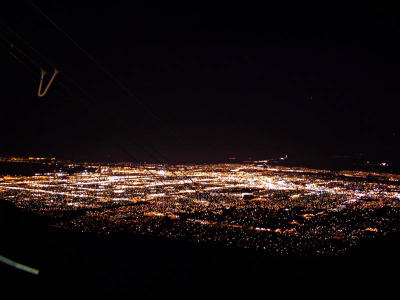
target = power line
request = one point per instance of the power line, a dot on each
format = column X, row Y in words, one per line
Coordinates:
column 28, row 67
column 109, row 74
column 115, row 79
column 101, row 67
column 33, row 72
column 88, row 101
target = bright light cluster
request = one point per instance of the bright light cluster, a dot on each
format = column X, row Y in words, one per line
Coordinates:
column 281, row 210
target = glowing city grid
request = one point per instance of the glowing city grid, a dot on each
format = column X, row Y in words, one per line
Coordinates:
column 275, row 209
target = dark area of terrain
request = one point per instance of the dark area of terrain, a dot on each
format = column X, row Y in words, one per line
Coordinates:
column 124, row 265
column 30, row 169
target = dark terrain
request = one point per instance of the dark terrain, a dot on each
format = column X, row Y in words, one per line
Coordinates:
column 123, row 265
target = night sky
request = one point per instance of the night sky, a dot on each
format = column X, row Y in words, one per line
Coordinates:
column 209, row 82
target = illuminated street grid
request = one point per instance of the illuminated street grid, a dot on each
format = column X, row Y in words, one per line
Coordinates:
column 275, row 209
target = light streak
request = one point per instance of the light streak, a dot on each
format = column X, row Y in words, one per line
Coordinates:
column 18, row 266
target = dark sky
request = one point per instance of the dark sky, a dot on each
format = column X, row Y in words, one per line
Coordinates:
column 214, row 81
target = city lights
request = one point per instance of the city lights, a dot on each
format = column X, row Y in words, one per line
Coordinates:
column 282, row 210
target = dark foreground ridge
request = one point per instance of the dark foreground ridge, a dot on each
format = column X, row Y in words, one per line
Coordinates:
column 124, row 265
